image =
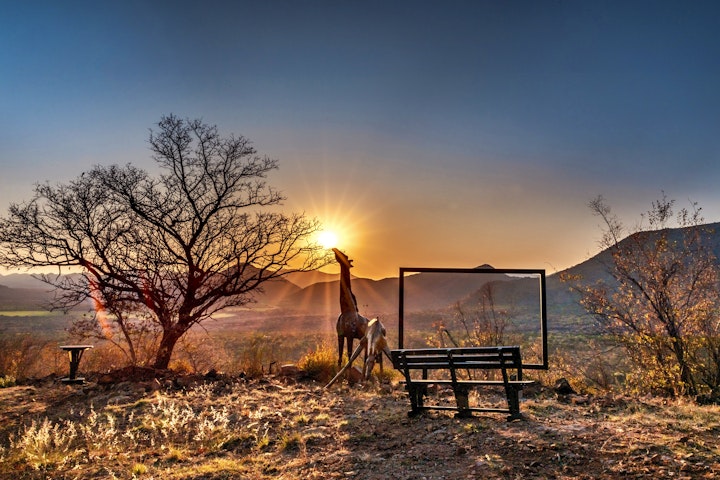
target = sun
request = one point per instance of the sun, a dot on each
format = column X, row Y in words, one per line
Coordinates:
column 327, row 239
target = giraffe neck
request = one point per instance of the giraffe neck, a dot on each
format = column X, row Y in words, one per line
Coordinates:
column 347, row 299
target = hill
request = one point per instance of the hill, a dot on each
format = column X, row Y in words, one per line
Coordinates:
column 374, row 296
column 23, row 298
column 22, row 280
column 594, row 268
column 25, row 292
column 380, row 297
column 563, row 307
column 436, row 291
column 305, row 279
column 316, row 293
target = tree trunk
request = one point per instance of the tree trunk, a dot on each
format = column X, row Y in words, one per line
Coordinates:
column 686, row 376
column 165, row 350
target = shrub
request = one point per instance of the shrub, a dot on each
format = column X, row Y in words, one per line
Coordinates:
column 291, row 442
column 660, row 298
column 26, row 356
column 7, row 381
column 320, row 364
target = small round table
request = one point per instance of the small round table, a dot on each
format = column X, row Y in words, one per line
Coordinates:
column 75, row 352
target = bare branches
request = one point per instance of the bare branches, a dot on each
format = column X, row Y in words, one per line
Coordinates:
column 663, row 293
column 179, row 246
column 613, row 231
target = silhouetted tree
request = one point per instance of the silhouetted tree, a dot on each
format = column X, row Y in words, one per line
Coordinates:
column 174, row 248
column 663, row 301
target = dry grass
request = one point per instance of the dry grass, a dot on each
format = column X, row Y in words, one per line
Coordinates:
column 268, row 429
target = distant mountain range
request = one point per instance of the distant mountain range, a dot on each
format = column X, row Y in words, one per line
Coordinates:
column 21, row 298
column 311, row 292
column 316, row 293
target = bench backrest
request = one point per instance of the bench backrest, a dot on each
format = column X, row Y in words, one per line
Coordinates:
column 470, row 358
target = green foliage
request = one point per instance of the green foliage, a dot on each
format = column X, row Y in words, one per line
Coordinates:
column 139, row 469
column 591, row 363
column 257, row 351
column 485, row 322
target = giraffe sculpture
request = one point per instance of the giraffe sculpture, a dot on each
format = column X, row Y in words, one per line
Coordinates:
column 350, row 324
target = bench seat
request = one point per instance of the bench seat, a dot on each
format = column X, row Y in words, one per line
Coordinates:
column 415, row 364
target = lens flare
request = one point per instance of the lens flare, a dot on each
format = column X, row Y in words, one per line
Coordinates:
column 100, row 311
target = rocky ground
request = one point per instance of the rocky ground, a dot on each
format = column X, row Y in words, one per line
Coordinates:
column 221, row 427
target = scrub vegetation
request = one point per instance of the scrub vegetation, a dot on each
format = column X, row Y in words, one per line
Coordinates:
column 632, row 393
column 276, row 427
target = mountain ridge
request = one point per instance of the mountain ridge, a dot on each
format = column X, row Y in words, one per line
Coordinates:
column 317, row 292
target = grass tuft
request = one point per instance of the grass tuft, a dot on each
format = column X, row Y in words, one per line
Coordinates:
column 7, row 381
column 320, row 364
column 139, row 469
column 291, row 442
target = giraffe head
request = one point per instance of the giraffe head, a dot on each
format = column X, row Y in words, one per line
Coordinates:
column 342, row 259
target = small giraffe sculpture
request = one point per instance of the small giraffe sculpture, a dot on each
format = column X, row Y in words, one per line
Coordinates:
column 376, row 346
column 350, row 324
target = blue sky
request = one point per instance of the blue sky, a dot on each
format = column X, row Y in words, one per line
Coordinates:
column 427, row 133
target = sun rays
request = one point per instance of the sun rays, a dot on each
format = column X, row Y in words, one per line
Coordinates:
column 327, row 239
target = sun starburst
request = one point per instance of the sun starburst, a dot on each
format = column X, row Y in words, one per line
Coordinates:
column 327, row 239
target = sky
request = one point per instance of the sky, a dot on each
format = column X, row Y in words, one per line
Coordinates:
column 426, row 134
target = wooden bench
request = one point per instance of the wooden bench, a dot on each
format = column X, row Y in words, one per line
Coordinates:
column 457, row 362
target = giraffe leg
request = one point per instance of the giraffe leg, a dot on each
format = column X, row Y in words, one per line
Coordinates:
column 349, row 347
column 340, row 349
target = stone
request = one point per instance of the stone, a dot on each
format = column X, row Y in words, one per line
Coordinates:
column 187, row 381
column 563, row 387
column 354, row 375
column 289, row 370
column 151, row 386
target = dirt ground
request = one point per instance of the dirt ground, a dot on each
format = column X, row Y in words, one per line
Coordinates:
column 303, row 431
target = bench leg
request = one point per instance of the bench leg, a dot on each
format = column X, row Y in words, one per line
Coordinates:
column 416, row 393
column 463, row 403
column 513, row 399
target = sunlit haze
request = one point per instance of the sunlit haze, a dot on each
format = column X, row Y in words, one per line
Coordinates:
column 423, row 134
column 328, row 239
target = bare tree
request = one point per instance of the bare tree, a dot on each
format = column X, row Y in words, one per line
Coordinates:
column 662, row 303
column 483, row 323
column 477, row 323
column 178, row 247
